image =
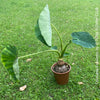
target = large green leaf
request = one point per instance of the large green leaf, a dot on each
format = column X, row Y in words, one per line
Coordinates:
column 38, row 34
column 10, row 61
column 16, row 68
column 83, row 39
column 43, row 28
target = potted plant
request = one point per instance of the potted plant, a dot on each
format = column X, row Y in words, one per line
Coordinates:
column 43, row 32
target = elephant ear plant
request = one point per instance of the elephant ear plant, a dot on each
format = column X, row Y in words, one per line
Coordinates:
column 43, row 32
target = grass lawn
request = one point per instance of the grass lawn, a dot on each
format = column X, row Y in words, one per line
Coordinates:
column 17, row 21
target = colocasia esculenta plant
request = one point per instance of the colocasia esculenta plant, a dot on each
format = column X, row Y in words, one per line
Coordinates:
column 43, row 32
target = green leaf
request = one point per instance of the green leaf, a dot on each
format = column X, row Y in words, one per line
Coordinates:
column 66, row 54
column 43, row 28
column 38, row 34
column 54, row 48
column 10, row 61
column 16, row 68
column 83, row 39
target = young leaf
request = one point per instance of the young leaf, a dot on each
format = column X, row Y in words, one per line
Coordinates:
column 43, row 28
column 10, row 61
column 83, row 39
column 66, row 54
column 54, row 48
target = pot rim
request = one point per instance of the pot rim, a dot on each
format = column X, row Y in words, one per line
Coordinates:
column 58, row 72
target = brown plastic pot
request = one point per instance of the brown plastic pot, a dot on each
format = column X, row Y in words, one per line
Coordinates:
column 61, row 78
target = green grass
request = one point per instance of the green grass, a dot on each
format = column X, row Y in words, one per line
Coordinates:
column 17, row 21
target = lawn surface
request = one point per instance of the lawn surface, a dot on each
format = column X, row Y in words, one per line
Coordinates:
column 17, row 21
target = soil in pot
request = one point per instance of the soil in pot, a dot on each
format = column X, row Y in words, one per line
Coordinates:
column 61, row 67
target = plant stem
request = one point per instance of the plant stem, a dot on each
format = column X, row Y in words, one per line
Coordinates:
column 58, row 36
column 39, row 53
column 65, row 49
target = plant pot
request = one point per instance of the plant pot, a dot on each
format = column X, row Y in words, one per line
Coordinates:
column 61, row 78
